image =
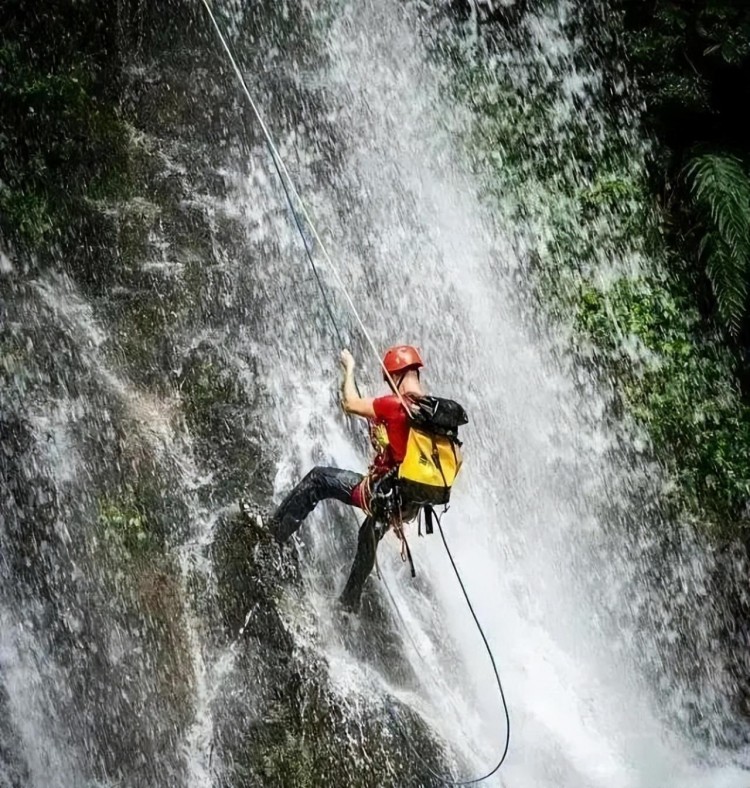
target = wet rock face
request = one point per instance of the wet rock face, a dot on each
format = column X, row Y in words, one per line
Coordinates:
column 95, row 610
column 296, row 731
column 253, row 572
column 221, row 412
column 12, row 767
column 159, row 633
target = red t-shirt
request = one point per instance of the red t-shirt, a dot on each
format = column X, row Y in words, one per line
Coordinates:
column 392, row 415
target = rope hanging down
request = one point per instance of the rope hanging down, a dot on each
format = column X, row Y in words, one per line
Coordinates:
column 291, row 192
column 394, row 713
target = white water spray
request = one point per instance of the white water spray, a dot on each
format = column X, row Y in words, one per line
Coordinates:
column 426, row 265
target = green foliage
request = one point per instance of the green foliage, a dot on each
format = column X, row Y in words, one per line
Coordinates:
column 610, row 190
column 678, row 48
column 656, row 336
column 582, row 189
column 724, row 28
column 721, row 191
column 680, row 388
column 59, row 142
column 124, row 520
column 28, row 212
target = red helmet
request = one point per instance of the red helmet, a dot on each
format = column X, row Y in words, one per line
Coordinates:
column 401, row 358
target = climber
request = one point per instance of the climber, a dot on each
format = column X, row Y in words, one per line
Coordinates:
column 374, row 492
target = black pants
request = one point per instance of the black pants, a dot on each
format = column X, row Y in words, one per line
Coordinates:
column 321, row 484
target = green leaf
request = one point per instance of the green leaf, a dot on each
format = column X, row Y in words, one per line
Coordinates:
column 721, row 194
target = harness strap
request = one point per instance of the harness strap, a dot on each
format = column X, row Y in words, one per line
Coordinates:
column 398, row 528
column 375, row 550
column 396, row 521
column 428, row 524
column 365, row 494
column 411, row 560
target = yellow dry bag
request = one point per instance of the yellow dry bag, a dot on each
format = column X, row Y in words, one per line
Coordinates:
column 433, row 452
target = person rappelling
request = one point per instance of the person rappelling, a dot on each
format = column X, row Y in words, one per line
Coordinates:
column 417, row 457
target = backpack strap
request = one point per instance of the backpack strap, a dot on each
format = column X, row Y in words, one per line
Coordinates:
column 436, row 460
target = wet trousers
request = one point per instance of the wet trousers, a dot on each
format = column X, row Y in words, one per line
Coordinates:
column 322, row 483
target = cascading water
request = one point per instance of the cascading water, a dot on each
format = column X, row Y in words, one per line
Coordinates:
column 123, row 637
column 424, row 265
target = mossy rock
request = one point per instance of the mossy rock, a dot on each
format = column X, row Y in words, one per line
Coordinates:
column 189, row 227
column 220, row 409
column 147, row 591
column 252, row 571
column 149, row 319
column 300, row 734
column 15, row 772
column 142, row 513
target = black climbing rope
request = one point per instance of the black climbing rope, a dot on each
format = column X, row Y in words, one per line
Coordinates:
column 289, row 189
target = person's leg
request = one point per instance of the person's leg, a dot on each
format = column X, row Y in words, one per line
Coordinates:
column 319, row 484
column 364, row 560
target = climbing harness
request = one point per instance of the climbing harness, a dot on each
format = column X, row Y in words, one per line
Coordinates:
column 380, row 500
column 291, row 192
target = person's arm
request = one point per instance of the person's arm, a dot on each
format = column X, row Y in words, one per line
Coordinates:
column 351, row 402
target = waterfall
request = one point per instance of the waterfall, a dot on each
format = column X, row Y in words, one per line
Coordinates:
column 139, row 410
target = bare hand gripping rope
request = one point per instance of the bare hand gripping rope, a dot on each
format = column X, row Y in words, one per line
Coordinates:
column 292, row 194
